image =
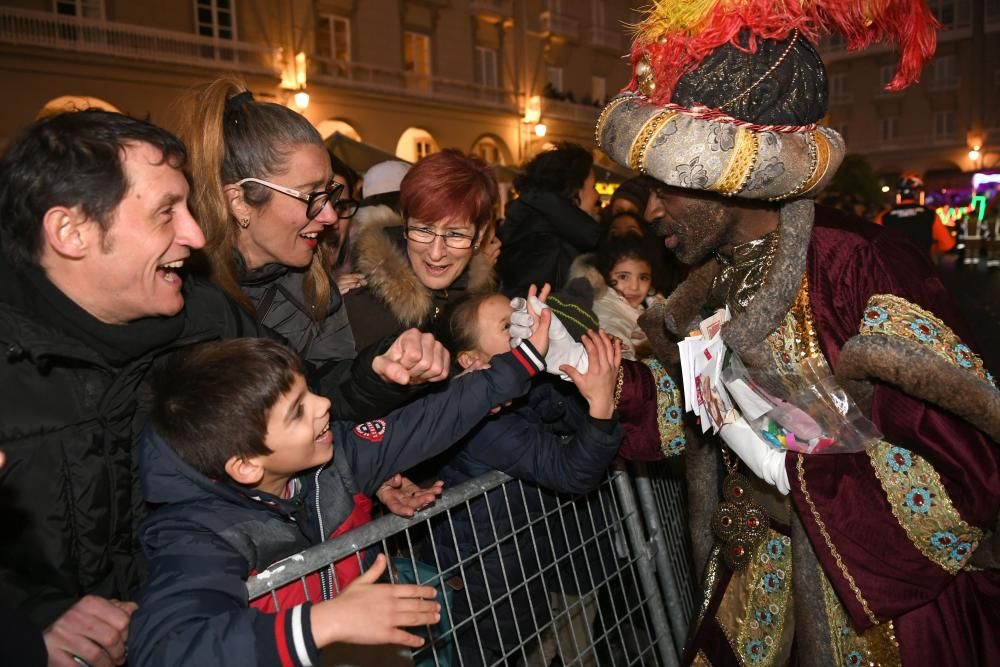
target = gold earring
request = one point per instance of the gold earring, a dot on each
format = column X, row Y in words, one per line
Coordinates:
column 244, row 222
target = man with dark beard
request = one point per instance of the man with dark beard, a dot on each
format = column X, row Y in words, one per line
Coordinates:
column 883, row 556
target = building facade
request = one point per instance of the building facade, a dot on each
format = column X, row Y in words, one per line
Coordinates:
column 500, row 78
column 949, row 123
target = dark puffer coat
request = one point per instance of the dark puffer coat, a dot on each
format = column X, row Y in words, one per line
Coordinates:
column 542, row 235
column 69, row 419
column 277, row 293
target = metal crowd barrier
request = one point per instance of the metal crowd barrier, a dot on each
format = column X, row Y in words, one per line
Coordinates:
column 526, row 576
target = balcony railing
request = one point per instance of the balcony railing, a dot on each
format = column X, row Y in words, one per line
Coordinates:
column 606, row 39
column 559, row 25
column 123, row 40
column 498, row 10
column 342, row 73
column 578, row 113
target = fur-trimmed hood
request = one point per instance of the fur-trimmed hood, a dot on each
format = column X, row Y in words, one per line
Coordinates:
column 380, row 256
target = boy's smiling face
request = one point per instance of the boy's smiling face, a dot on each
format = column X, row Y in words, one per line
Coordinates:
column 298, row 434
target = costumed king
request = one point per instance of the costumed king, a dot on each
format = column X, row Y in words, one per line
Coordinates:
column 886, row 555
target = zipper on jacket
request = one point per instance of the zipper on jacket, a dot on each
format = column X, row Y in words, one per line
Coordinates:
column 325, row 576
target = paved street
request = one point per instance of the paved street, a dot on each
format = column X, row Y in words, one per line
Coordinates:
column 977, row 291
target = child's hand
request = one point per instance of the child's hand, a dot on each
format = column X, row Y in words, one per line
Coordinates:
column 404, row 498
column 540, row 336
column 598, row 384
column 370, row 613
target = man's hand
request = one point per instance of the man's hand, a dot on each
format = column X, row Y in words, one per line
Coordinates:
column 405, row 498
column 94, row 630
column 598, row 383
column 370, row 613
column 413, row 358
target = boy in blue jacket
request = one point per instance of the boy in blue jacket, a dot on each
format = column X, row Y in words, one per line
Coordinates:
column 240, row 461
column 559, row 438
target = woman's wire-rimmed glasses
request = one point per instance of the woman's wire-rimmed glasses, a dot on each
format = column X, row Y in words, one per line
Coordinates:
column 315, row 201
column 451, row 239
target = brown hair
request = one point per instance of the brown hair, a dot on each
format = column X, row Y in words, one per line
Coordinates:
column 231, row 136
column 458, row 325
column 211, row 401
column 449, row 184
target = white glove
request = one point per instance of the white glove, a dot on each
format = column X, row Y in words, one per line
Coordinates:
column 522, row 324
column 763, row 460
column 562, row 348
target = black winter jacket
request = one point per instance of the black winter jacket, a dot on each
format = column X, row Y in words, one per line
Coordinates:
column 207, row 537
column 69, row 420
column 548, row 441
column 277, row 294
column 542, row 234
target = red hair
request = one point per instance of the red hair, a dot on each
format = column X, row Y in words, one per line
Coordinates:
column 449, row 185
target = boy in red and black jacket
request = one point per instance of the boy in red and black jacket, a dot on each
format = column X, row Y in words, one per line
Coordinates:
column 240, row 462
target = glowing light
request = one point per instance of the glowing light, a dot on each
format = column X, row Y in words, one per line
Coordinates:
column 885, row 188
column 302, row 99
column 984, row 179
column 979, row 201
column 540, row 130
column 974, row 154
column 533, row 110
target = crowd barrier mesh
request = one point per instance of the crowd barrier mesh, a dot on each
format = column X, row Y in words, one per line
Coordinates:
column 526, row 576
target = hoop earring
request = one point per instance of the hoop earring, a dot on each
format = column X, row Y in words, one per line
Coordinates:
column 244, row 222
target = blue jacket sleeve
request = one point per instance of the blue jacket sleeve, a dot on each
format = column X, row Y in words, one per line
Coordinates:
column 416, row 432
column 193, row 609
column 525, row 449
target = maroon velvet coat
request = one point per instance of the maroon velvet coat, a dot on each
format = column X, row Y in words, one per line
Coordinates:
column 939, row 618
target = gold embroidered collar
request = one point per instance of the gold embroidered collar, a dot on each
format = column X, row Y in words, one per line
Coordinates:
column 743, row 272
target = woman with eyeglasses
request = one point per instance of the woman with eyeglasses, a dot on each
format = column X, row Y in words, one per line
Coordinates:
column 263, row 191
column 447, row 200
column 335, row 244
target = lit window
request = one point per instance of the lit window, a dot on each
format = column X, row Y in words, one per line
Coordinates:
column 555, row 77
column 486, row 67
column 598, row 89
column 333, row 39
column 417, row 53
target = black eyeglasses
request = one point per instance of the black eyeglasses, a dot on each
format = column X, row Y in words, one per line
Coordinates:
column 315, row 201
column 451, row 239
column 346, row 208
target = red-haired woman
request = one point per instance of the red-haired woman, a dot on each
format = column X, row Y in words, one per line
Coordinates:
column 417, row 264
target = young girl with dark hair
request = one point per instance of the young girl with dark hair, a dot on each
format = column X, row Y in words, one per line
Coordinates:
column 627, row 266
